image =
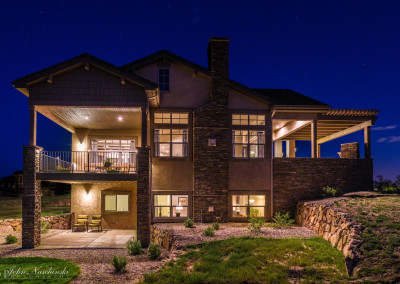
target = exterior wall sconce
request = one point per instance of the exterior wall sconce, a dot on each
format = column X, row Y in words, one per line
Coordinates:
column 211, row 208
column 212, row 142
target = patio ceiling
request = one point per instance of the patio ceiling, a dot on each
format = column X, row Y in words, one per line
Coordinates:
column 72, row 118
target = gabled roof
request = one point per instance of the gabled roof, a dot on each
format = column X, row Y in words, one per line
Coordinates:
column 76, row 61
column 269, row 96
column 287, row 97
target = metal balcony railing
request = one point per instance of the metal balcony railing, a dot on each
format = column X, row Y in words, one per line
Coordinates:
column 88, row 161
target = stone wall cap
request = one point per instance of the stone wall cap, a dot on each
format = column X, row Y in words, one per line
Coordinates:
column 32, row 146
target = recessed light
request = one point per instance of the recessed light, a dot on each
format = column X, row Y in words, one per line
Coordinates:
column 120, row 118
column 86, row 117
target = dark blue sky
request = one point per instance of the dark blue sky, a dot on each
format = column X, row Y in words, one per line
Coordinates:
column 344, row 53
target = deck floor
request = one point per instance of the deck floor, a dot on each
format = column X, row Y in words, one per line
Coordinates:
column 92, row 239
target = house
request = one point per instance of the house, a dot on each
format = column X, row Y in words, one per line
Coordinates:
column 162, row 139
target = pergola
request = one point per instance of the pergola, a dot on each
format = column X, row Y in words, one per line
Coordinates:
column 318, row 125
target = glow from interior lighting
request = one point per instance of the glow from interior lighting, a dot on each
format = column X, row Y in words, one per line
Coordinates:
column 179, row 208
column 86, row 117
column 251, row 200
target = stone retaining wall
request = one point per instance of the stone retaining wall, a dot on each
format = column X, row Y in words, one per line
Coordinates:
column 54, row 222
column 335, row 227
column 162, row 238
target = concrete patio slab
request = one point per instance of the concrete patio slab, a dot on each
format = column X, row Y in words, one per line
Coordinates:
column 104, row 239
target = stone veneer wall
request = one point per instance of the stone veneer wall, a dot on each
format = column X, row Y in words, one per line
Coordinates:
column 297, row 179
column 350, row 150
column 335, row 227
column 143, row 195
column 31, row 198
column 162, row 238
column 54, row 222
column 211, row 163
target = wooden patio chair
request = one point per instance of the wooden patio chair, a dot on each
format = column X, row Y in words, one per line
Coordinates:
column 96, row 223
column 81, row 222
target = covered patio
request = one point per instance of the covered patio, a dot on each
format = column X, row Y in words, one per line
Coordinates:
column 92, row 239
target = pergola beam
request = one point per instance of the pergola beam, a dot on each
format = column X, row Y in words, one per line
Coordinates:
column 344, row 132
column 290, row 128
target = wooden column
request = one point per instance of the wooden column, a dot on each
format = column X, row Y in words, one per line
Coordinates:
column 144, row 127
column 314, row 147
column 291, row 148
column 278, row 148
column 32, row 125
column 367, row 142
column 318, row 150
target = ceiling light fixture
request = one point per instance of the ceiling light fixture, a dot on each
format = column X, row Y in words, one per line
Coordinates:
column 120, row 118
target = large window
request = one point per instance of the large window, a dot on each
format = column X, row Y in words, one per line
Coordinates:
column 171, row 142
column 112, row 145
column 170, row 206
column 116, row 202
column 245, row 205
column 248, row 143
column 163, row 79
column 248, row 119
column 171, row 118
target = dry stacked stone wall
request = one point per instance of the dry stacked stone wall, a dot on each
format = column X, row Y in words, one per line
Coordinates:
column 53, row 222
column 162, row 238
column 350, row 151
column 335, row 227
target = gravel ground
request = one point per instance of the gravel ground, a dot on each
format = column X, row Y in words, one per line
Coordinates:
column 95, row 263
column 185, row 236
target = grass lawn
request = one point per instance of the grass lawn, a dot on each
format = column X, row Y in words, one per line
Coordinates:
column 255, row 260
column 11, row 207
column 37, row 270
column 380, row 217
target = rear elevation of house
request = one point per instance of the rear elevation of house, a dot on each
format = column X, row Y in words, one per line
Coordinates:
column 162, row 139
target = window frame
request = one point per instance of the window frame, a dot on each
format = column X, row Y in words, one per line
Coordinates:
column 248, row 144
column 170, row 219
column 248, row 194
column 171, row 143
column 164, row 83
column 115, row 192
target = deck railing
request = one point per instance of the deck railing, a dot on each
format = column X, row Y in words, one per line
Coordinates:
column 88, row 161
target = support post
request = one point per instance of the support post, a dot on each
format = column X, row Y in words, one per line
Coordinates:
column 278, row 148
column 32, row 125
column 31, row 197
column 367, row 142
column 144, row 127
column 314, row 138
column 291, row 148
column 143, row 195
column 318, row 150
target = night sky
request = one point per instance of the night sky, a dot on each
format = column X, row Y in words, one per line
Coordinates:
column 344, row 53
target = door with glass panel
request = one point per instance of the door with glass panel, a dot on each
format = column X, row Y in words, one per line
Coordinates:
column 112, row 155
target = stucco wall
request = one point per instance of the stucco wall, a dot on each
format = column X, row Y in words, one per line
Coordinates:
column 186, row 90
column 297, row 179
column 86, row 200
column 172, row 175
column 239, row 101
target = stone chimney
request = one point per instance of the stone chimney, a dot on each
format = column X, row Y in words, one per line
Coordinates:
column 218, row 64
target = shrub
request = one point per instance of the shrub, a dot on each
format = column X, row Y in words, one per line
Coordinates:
column 188, row 223
column 328, row 191
column 154, row 251
column 44, row 227
column 391, row 189
column 10, row 239
column 209, row 232
column 119, row 263
column 134, row 247
column 215, row 226
column 282, row 220
column 218, row 219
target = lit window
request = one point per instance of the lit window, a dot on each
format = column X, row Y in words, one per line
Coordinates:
column 116, row 202
column 246, row 205
column 248, row 119
column 170, row 206
column 163, row 79
column 171, row 118
column 171, row 142
column 248, row 143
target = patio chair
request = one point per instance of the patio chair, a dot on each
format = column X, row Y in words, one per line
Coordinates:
column 96, row 223
column 81, row 222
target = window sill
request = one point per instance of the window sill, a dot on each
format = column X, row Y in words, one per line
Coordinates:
column 171, row 158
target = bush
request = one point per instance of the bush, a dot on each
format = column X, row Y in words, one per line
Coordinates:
column 215, row 226
column 391, row 189
column 209, row 232
column 10, row 239
column 328, row 191
column 134, row 247
column 282, row 220
column 44, row 227
column 218, row 219
column 119, row 263
column 154, row 251
column 188, row 223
